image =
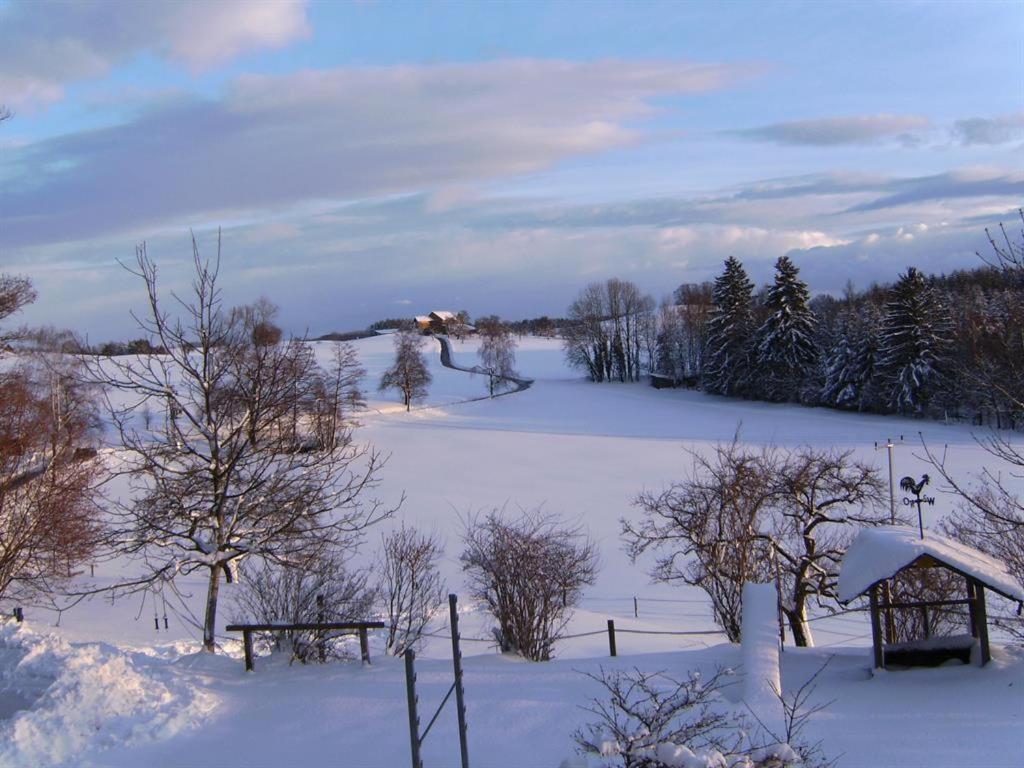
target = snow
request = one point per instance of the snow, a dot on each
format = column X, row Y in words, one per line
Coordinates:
column 580, row 449
column 761, row 666
column 878, row 553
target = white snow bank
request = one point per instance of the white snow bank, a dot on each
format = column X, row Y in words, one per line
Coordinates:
column 878, row 553
column 83, row 699
column 762, row 678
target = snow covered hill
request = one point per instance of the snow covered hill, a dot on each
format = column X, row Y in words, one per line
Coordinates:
column 128, row 694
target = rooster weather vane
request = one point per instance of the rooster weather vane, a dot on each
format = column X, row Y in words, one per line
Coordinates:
column 907, row 484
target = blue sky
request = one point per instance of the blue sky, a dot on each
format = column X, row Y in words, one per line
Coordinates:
column 372, row 159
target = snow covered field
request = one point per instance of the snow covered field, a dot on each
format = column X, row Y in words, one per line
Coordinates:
column 129, row 695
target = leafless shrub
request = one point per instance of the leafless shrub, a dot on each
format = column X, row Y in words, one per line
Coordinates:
column 322, row 590
column 529, row 572
column 410, row 585
column 927, row 584
column 647, row 719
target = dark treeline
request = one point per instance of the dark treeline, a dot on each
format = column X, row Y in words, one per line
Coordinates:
column 946, row 346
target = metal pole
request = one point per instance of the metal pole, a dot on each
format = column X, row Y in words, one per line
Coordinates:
column 611, row 637
column 892, row 482
column 414, row 718
column 460, row 703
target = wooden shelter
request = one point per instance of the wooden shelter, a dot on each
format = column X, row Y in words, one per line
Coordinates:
column 877, row 555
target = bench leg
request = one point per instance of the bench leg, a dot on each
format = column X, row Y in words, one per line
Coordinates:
column 364, row 646
column 247, row 642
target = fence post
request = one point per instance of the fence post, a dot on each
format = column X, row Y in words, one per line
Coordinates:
column 460, row 702
column 247, row 643
column 414, row 718
column 19, row 614
column 636, row 608
column 611, row 637
column 320, row 620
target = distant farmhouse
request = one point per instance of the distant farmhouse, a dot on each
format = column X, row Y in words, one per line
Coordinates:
column 443, row 321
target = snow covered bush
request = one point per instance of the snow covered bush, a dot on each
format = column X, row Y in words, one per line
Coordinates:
column 529, row 572
column 323, row 589
column 650, row 720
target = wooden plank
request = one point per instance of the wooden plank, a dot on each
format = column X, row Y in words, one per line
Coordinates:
column 305, row 626
column 930, row 603
column 876, row 628
column 971, row 612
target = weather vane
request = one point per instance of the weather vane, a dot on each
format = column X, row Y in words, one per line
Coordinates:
column 907, row 484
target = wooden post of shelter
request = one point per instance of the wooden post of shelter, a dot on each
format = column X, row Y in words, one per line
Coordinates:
column 981, row 618
column 876, row 628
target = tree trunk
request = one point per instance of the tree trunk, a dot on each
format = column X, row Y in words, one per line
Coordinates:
column 798, row 625
column 210, row 622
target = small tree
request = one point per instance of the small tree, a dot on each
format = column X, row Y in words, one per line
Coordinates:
column 706, row 529
column 410, row 585
column 409, row 375
column 235, row 473
column 497, row 352
column 530, row 573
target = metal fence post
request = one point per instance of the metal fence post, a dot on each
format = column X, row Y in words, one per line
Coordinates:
column 414, row 718
column 460, row 703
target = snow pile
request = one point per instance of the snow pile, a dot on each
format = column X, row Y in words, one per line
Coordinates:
column 878, row 553
column 763, row 680
column 83, row 699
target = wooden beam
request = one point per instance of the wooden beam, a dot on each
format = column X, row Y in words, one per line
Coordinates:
column 247, row 642
column 364, row 646
column 305, row 626
column 876, row 628
column 971, row 612
column 982, row 618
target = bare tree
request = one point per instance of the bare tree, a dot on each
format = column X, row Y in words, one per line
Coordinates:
column 323, row 589
column 337, row 396
column 15, row 293
column 497, row 352
column 707, row 530
column 990, row 513
column 818, row 495
column 530, row 573
column 409, row 375
column 235, row 472
column 49, row 522
column 643, row 719
column 410, row 584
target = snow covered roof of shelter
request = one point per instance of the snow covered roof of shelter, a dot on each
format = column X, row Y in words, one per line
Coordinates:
column 878, row 553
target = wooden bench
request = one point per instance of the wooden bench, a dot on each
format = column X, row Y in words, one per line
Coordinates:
column 359, row 626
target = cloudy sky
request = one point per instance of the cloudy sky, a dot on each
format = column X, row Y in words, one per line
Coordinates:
column 378, row 158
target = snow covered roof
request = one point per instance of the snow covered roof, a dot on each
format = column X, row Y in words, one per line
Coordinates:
column 443, row 314
column 425, row 319
column 878, row 553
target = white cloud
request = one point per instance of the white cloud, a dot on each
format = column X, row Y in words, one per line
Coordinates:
column 351, row 133
column 51, row 43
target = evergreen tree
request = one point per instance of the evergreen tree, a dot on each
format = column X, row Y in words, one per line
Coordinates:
column 729, row 331
column 914, row 335
column 851, row 366
column 786, row 351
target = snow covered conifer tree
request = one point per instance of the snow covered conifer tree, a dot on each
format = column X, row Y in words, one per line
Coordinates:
column 912, row 344
column 729, row 331
column 786, row 352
